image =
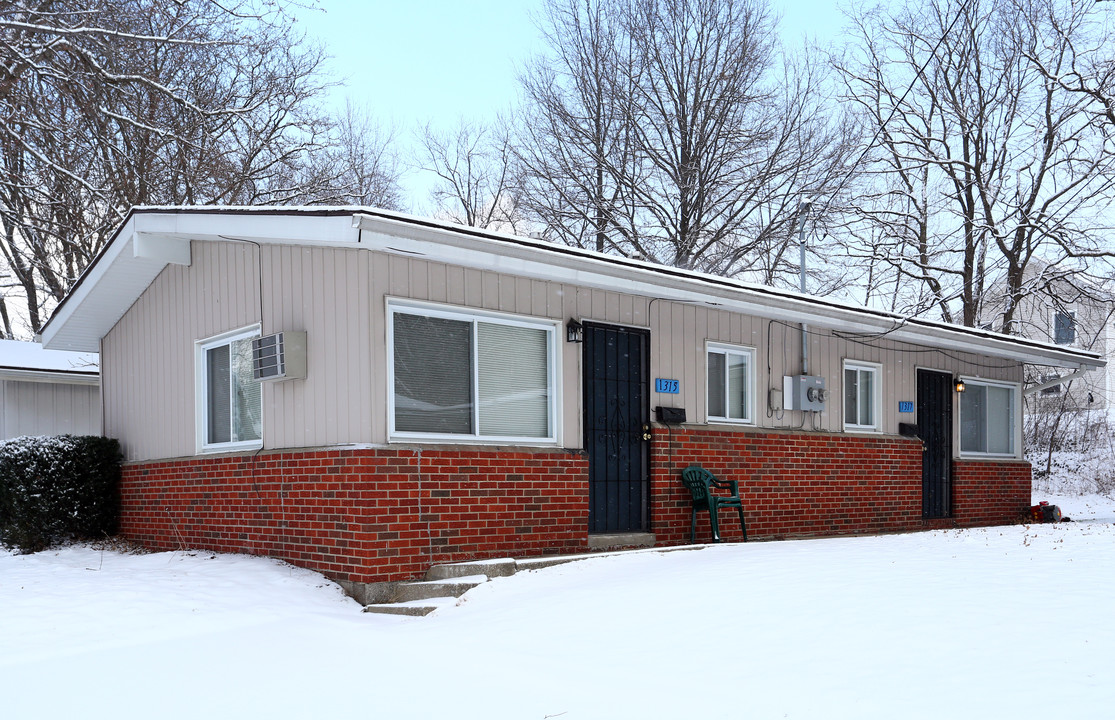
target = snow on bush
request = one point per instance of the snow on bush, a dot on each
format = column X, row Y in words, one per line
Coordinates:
column 57, row 488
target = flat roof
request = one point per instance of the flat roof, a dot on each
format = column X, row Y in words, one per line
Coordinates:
column 31, row 361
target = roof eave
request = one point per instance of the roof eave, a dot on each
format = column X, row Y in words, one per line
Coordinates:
column 149, row 239
column 494, row 251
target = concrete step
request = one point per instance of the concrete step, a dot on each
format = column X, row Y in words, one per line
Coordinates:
column 455, row 587
column 500, row 567
column 445, row 583
column 414, row 608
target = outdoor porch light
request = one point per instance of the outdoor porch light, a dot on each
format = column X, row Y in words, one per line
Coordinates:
column 574, row 332
column 959, row 385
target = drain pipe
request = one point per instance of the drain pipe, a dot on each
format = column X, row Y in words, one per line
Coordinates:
column 803, row 211
column 1057, row 381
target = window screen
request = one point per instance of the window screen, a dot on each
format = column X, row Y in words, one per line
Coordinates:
column 512, row 380
column 433, row 372
column 219, row 395
column 233, row 400
column 717, row 385
column 859, row 397
column 729, row 384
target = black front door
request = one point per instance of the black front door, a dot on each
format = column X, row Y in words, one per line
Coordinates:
column 935, row 431
column 617, row 412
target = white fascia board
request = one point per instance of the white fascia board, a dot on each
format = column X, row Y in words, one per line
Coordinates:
column 588, row 272
column 575, row 266
column 48, row 376
column 258, row 227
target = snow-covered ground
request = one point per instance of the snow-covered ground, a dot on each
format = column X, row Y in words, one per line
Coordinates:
column 990, row 623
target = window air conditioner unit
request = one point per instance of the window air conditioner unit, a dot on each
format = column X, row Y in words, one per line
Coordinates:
column 281, row 356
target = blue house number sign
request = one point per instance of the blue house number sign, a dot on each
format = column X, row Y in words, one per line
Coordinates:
column 663, row 385
column 905, row 406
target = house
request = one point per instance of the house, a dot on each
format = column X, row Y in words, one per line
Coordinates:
column 47, row 392
column 1072, row 312
column 366, row 393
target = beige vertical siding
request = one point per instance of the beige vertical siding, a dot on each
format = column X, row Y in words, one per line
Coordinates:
column 148, row 372
column 48, row 408
column 150, row 354
column 339, row 297
column 682, row 332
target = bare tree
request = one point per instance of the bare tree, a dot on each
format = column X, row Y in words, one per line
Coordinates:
column 983, row 161
column 110, row 103
column 473, row 167
column 671, row 130
column 575, row 153
column 357, row 166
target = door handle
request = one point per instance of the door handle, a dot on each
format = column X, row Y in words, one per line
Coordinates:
column 647, row 434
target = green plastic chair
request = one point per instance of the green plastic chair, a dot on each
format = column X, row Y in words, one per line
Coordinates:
column 700, row 483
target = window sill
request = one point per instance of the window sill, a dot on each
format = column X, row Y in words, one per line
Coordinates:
column 987, row 456
column 729, row 421
column 415, row 439
column 229, row 448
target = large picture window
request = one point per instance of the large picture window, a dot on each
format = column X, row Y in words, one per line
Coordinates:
column 862, row 392
column 731, row 375
column 467, row 375
column 987, row 418
column 229, row 400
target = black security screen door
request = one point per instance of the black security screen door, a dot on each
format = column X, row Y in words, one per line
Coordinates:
column 616, row 413
column 935, row 431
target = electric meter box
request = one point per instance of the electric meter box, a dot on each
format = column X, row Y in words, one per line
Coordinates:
column 804, row 392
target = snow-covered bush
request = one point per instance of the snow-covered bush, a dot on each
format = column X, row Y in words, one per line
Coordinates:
column 57, row 488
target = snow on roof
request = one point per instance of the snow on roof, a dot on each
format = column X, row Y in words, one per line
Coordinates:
column 33, row 357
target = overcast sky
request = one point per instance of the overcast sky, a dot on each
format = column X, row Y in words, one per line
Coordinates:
column 415, row 61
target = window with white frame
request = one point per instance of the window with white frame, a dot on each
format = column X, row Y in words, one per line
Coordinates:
column 862, row 393
column 461, row 375
column 988, row 418
column 229, row 403
column 731, row 379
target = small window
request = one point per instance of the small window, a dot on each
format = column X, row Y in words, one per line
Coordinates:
column 1052, row 389
column 1064, row 327
column 987, row 418
column 731, row 377
column 457, row 376
column 229, row 406
column 862, row 395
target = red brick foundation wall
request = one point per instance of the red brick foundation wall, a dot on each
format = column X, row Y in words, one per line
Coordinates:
column 796, row 484
column 989, row 492
column 378, row 514
column 367, row 515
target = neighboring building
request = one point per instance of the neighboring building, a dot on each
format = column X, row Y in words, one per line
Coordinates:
column 446, row 393
column 47, row 392
column 1071, row 314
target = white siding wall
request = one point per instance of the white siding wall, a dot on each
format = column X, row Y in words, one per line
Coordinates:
column 48, row 408
column 339, row 297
